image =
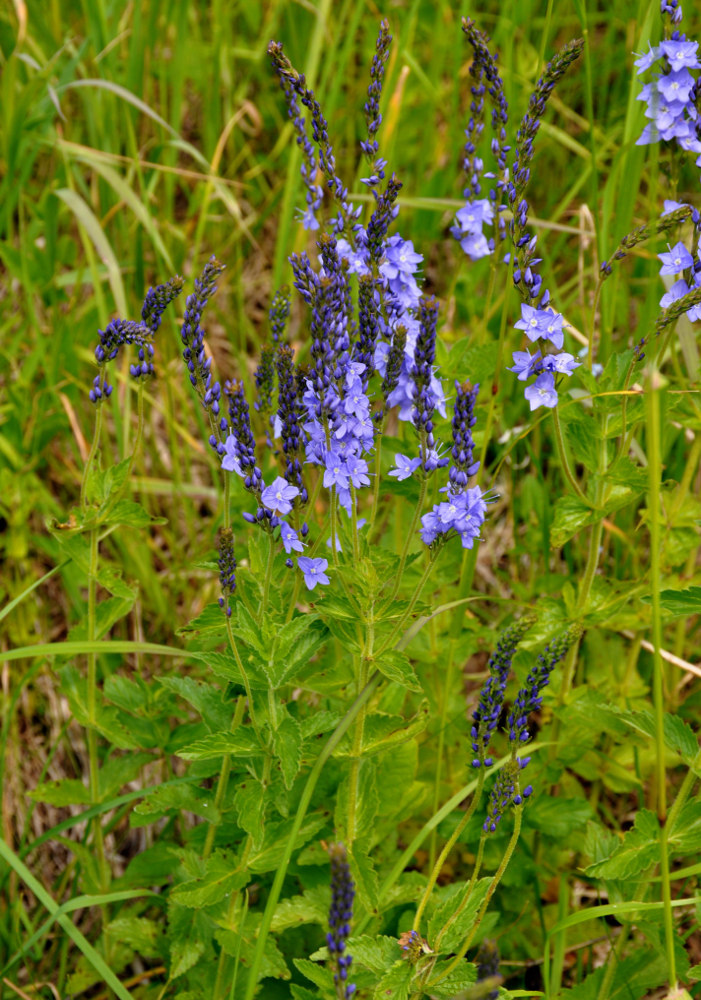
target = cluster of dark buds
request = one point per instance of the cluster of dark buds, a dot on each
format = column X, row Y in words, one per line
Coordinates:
column 227, row 568
column 340, row 916
column 487, row 962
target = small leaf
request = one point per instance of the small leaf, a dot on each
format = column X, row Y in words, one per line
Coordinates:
column 456, row 932
column 190, row 936
column 396, row 982
column 249, row 802
column 66, row 792
column 221, row 879
column 287, row 741
column 312, row 907
column 635, row 854
column 205, row 698
column 242, row 743
column 318, row 974
column 374, row 953
column 210, row 620
column 396, row 667
column 680, row 602
column 129, row 513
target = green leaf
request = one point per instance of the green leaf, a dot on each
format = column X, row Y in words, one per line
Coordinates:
column 295, row 643
column 558, row 817
column 249, row 802
column 203, row 697
column 209, row 621
column 268, row 856
column 374, row 953
column 678, row 735
column 685, row 835
column 178, row 798
column 129, row 513
column 234, row 943
column 66, row 792
column 318, row 974
column 221, row 878
column 584, row 438
column 287, row 741
column 680, row 602
column 106, row 720
column 242, row 743
column 312, row 907
column 456, row 932
column 638, row 851
column 395, row 983
column 571, row 515
column 119, row 770
column 364, row 875
column 395, row 666
column 138, row 933
column 460, row 982
column 190, row 935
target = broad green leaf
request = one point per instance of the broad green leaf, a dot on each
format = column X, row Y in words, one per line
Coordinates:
column 108, row 613
column 119, row 770
column 557, row 817
column 318, row 974
column 222, row 878
column 680, row 602
column 375, row 953
column 685, row 835
column 268, row 856
column 169, row 798
column 395, row 983
column 312, row 907
column 138, row 933
column 129, row 513
column 190, row 934
column 249, row 802
column 460, row 982
column 383, row 732
column 242, row 743
column 273, row 965
column 364, row 875
column 106, row 720
column 66, row 792
column 584, row 438
column 287, row 741
column 209, row 621
column 203, row 697
column 635, row 854
column 678, row 735
column 571, row 515
column 455, row 933
column 396, row 667
column 296, row 643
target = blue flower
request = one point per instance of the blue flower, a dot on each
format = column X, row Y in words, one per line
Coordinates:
column 290, row 539
column 335, row 474
column 313, row 570
column 563, row 363
column 681, row 54
column 278, row 496
column 404, row 467
column 542, row 392
column 678, row 259
column 524, row 364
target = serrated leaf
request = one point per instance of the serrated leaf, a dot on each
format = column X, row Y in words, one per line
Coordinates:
column 249, row 802
column 374, row 953
column 312, row 907
column 571, row 515
column 364, row 875
column 637, row 852
column 66, row 792
column 108, row 613
column 685, row 835
column 460, row 982
column 295, row 643
column 680, row 602
column 138, row 933
column 242, row 743
column 210, row 620
column 584, row 438
column 395, row 666
column 318, row 974
column 273, row 965
column 114, row 478
column 169, row 798
column 678, row 735
column 119, row 770
column 558, row 817
column 268, row 856
column 106, row 720
column 129, row 513
column 287, row 741
column 205, row 698
column 190, row 934
column 318, row 723
column 396, row 982
column 456, row 932
column 221, row 879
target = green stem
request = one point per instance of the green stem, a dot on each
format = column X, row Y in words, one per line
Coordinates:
column 409, row 539
column 438, row 867
column 356, row 752
column 444, row 685
column 654, row 476
column 564, row 459
column 684, row 792
column 244, row 676
column 91, row 456
column 223, row 780
column 490, row 892
column 466, row 895
column 376, row 484
column 268, row 576
column 333, row 526
column 414, row 598
column 354, row 523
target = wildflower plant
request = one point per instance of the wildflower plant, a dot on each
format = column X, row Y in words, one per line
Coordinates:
column 366, row 747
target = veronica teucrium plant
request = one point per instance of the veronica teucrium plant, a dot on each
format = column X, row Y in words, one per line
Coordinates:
column 334, row 681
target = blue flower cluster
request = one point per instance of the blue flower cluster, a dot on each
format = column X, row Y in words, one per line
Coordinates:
column 529, row 699
column 121, row 333
column 340, row 916
column 538, row 321
column 670, row 98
